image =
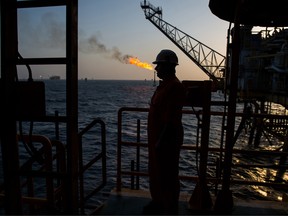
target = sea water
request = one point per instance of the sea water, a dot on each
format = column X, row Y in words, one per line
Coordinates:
column 103, row 99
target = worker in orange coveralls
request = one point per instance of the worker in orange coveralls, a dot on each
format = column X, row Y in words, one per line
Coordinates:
column 165, row 137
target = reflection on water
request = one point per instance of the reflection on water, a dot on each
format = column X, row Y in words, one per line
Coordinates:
column 103, row 99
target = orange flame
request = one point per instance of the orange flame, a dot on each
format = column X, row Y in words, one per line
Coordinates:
column 137, row 62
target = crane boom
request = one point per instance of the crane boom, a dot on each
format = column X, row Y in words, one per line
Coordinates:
column 207, row 59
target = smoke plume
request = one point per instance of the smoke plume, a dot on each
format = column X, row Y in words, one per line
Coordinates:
column 93, row 45
column 50, row 32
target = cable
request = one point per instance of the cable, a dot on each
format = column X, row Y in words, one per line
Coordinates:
column 30, row 79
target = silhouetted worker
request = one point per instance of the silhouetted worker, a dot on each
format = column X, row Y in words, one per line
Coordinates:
column 165, row 137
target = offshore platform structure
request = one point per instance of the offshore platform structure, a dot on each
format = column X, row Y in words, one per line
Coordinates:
column 17, row 107
column 55, row 161
column 211, row 62
column 255, row 72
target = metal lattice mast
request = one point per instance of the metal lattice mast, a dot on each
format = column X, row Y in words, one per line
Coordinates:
column 209, row 60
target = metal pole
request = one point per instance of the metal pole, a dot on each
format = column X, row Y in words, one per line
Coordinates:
column 8, row 130
column 138, row 154
column 224, row 201
column 72, row 105
column 119, row 149
column 201, row 199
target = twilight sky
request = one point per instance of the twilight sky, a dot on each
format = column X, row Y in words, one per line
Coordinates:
column 109, row 28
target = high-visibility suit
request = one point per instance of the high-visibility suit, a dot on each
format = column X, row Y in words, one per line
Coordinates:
column 165, row 137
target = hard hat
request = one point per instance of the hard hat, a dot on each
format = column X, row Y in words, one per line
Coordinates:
column 166, row 56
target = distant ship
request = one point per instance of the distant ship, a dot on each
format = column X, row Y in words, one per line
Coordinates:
column 54, row 78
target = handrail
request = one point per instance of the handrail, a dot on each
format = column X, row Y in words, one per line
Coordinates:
column 213, row 149
column 83, row 168
column 47, row 151
column 137, row 144
column 119, row 143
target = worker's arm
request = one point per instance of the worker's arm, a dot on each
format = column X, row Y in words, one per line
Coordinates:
column 166, row 136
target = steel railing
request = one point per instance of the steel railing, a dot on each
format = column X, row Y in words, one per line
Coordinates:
column 34, row 170
column 218, row 167
column 84, row 167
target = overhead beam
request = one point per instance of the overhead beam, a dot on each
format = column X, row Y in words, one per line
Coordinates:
column 42, row 3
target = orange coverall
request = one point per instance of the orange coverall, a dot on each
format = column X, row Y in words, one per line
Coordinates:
column 165, row 137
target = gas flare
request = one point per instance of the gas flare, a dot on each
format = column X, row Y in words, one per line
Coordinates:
column 137, row 62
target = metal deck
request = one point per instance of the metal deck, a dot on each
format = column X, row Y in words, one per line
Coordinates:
column 131, row 202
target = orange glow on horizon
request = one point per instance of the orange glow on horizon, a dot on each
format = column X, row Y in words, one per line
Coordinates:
column 137, row 62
